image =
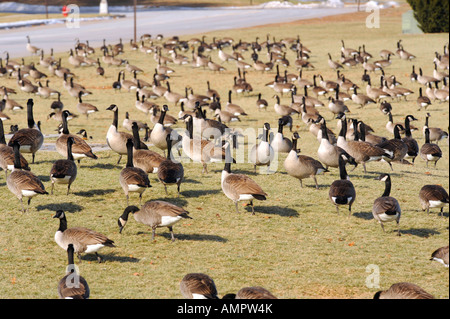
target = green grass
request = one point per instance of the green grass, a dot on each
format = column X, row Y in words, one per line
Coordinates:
column 295, row 245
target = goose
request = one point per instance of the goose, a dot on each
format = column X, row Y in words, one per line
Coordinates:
column 160, row 131
column 76, row 61
column 255, row 292
column 386, row 208
column 361, row 99
column 10, row 104
column 334, row 64
column 318, row 90
column 302, row 166
column 282, row 87
column 7, row 154
column 209, row 128
column 117, row 85
column 169, row 171
column 234, row 108
column 145, row 159
column 403, row 290
column 280, row 143
column 423, row 101
column 433, row 196
column 403, row 54
column 261, row 103
column 348, row 51
column 262, row 154
column 85, row 108
column 375, row 93
column 282, row 109
column 117, row 140
column 143, row 105
column 84, row 240
column 225, row 57
column 75, row 89
column 155, row 114
column 133, row 179
column 23, row 183
column 329, row 153
column 441, row 255
column 72, row 285
column 342, row 191
column 127, row 84
column 79, row 148
column 30, row 139
column 225, row 116
column 46, row 91
column 436, row 133
column 155, row 214
column 385, row 62
column 198, row 286
column 337, row 106
column 425, row 79
column 211, row 92
column 371, row 67
column 396, row 145
column 364, row 135
column 438, row 74
column 170, row 96
column 84, row 134
column 99, row 70
column 198, row 149
column 430, row 152
column 385, row 107
column 238, row 187
column 31, row 48
column 64, row 171
column 441, row 94
column 127, row 123
column 413, row 146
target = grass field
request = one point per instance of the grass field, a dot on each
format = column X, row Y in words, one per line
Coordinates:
column 295, row 245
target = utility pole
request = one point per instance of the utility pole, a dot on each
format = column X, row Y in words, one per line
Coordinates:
column 134, row 1
column 46, row 9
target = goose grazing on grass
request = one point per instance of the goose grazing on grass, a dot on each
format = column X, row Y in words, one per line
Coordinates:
column 23, row 183
column 433, row 196
column 430, row 152
column 30, row 139
column 342, row 192
column 155, row 214
column 302, row 166
column 133, row 179
column 7, row 155
column 84, row 240
column 169, row 171
column 256, row 292
column 403, row 290
column 80, row 149
column 386, row 208
column 198, row 286
column 441, row 255
column 72, row 285
column 238, row 187
column 64, row 171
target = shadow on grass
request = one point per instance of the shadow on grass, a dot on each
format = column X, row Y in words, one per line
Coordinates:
column 363, row 215
column 111, row 257
column 192, row 237
column 44, row 178
column 94, row 192
column 273, row 210
column 200, row 192
column 102, row 166
column 419, row 232
column 67, row 207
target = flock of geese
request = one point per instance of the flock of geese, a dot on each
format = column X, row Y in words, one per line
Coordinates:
column 214, row 141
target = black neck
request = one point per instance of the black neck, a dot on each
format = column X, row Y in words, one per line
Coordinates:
column 227, row 167
column 342, row 171
column 323, row 127
column 362, row 132
column 116, row 118
column 2, row 133
column 16, row 148
column 30, row 115
column 355, row 129
column 294, row 144
column 130, row 154
column 407, row 127
column 280, row 128
column 427, row 135
column 397, row 133
column 64, row 124
column 162, row 116
column 265, row 135
column 69, row 150
column 136, row 138
column 62, row 224
column 70, row 260
column 387, row 188
column 343, row 130
column 169, row 147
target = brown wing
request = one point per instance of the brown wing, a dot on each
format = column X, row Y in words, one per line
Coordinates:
column 434, row 192
column 85, row 236
column 63, row 168
column 386, row 204
column 198, row 283
column 244, row 185
column 135, row 176
column 27, row 136
column 79, row 145
column 406, row 290
column 254, row 293
column 27, row 181
column 73, row 286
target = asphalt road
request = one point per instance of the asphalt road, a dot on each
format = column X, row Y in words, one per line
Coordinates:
column 166, row 22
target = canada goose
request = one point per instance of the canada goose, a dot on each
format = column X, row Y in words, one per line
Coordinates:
column 430, row 152
column 225, row 116
column 133, row 179
column 170, row 96
column 84, row 240
column 169, row 171
column 143, row 105
column 46, row 91
column 58, row 116
column 160, row 131
column 117, row 140
column 256, row 292
column 262, row 154
column 337, row 106
column 413, row 147
column 79, row 148
column 127, row 84
column 155, row 214
column 386, row 208
column 425, row 79
column 225, row 57
column 84, row 134
column 23, row 183
column 423, row 101
column 282, row 109
column 30, row 139
column 334, row 64
column 403, row 290
column 280, row 143
column 31, row 48
column 198, row 149
column 211, row 92
column 198, row 286
column 436, row 133
column 329, row 153
column 127, row 123
column 433, row 196
column 72, row 285
column 348, row 51
column 75, row 89
column 441, row 255
column 361, row 99
column 441, row 94
column 403, row 54
column 261, row 103
column 385, row 62
column 302, row 166
column 342, row 191
column 282, row 87
column 385, row 107
column 10, row 104
column 64, row 171
column 239, row 187
column 7, row 154
column 375, row 93
column 85, row 108
column 117, row 85
column 233, row 108
column 209, row 128
column 145, row 159
column 396, row 145
column 76, row 61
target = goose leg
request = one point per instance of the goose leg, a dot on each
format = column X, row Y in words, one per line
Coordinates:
column 98, row 257
column 237, row 209
column 53, row 185
column 120, row 157
column 21, row 203
column 171, row 233
column 382, row 227
column 315, row 180
column 253, row 208
column 153, row 233
column 337, row 209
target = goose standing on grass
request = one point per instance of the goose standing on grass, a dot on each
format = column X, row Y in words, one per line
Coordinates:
column 31, row 48
column 423, row 101
column 403, row 290
column 84, row 240
column 85, row 108
column 198, row 286
column 413, row 146
column 342, row 192
column 30, row 139
column 155, row 214
column 145, row 159
column 262, row 154
column 396, row 145
column 280, row 143
column 302, row 166
column 117, row 141
column 238, row 187
column 169, row 171
column 430, row 152
column 23, row 183
column 436, row 133
column 7, row 154
column 386, row 208
column 256, row 292
column 433, row 196
column 72, row 285
column 79, row 148
column 441, row 255
column 133, row 179
column 64, row 171
column 160, row 132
